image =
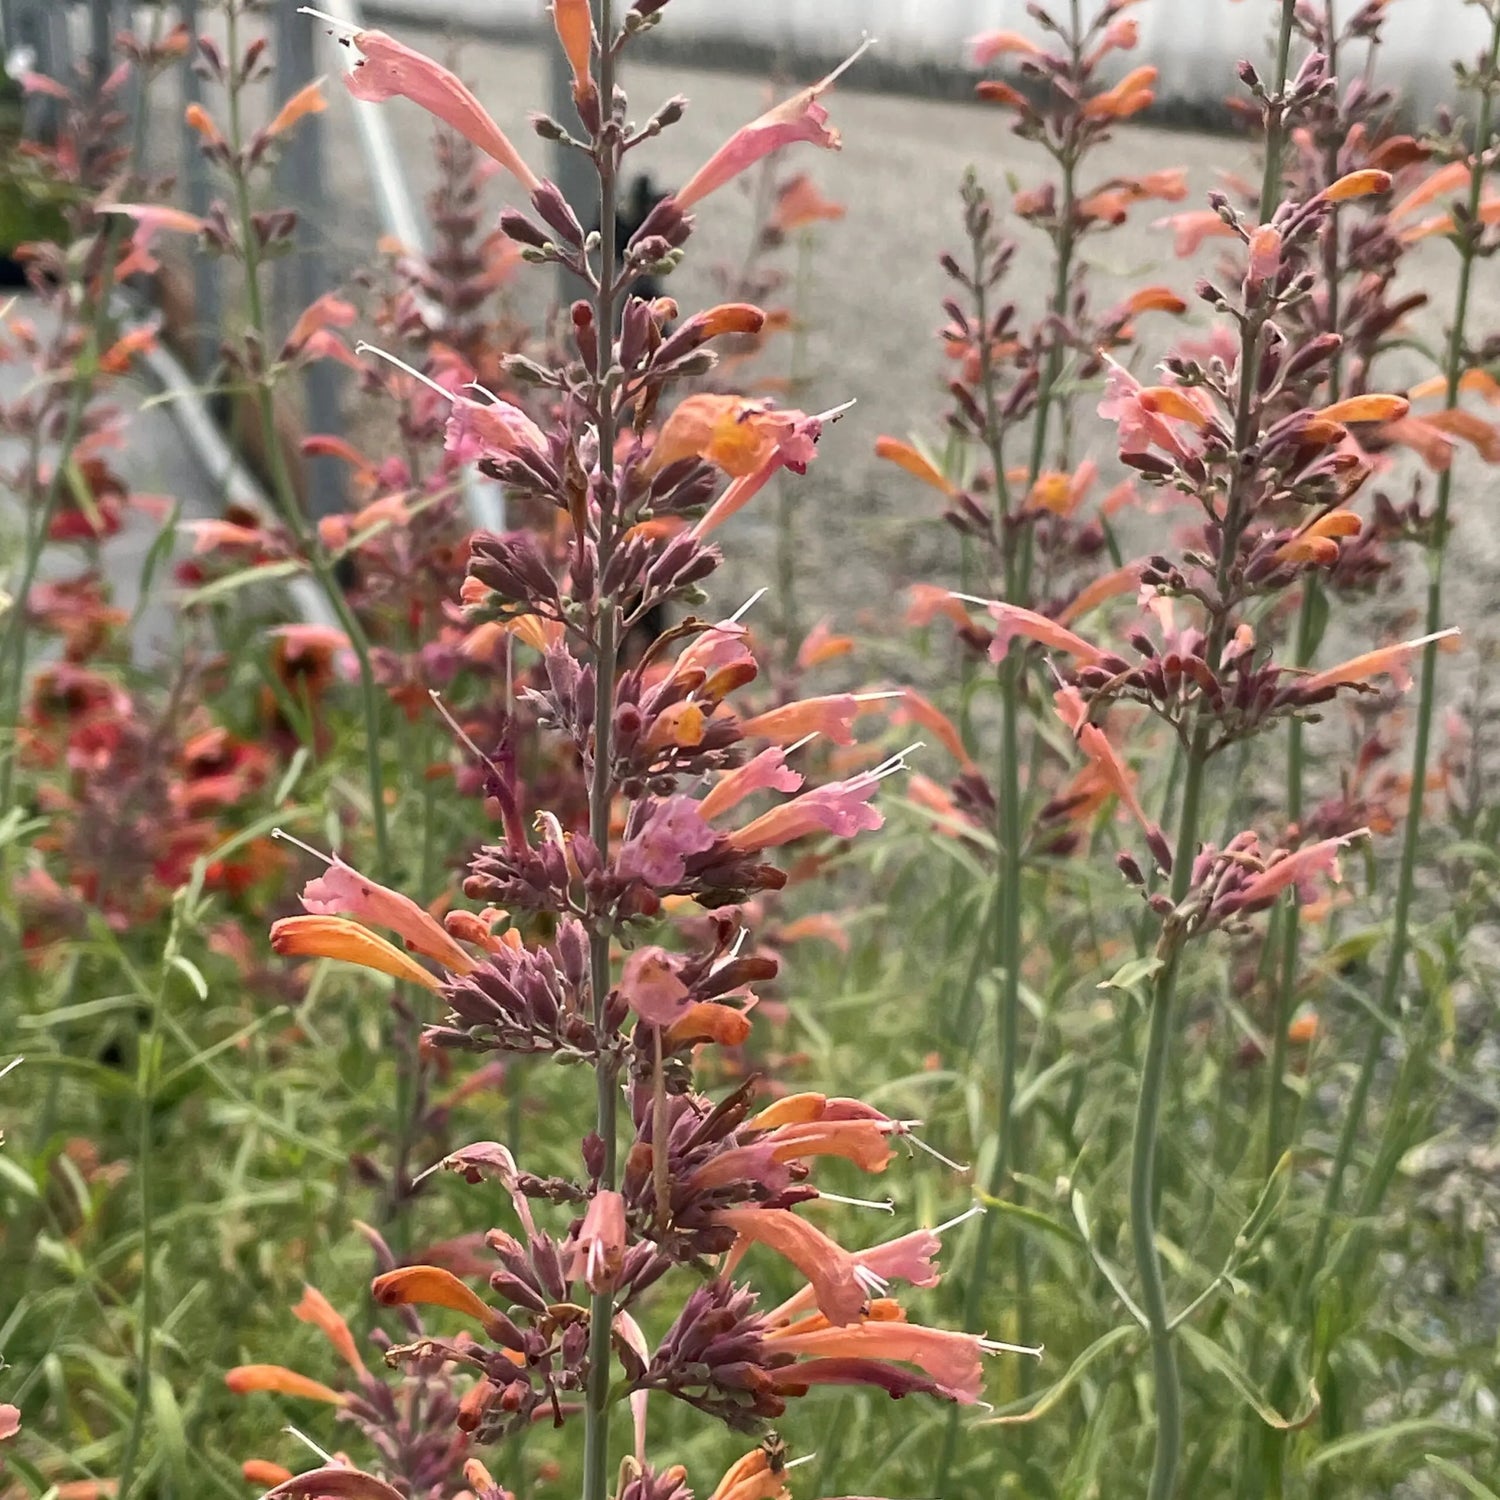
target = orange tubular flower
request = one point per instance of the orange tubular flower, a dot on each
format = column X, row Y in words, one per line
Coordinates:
column 283, row 1382
column 1133, row 93
column 756, row 1476
column 1095, row 744
column 1011, row 620
column 316, row 1309
column 574, row 20
column 1385, row 661
column 800, row 118
column 1359, row 184
column 833, row 715
column 800, row 204
column 339, row 938
column 263, row 1474
column 830, row 1269
column 1155, row 299
column 1315, row 542
column 1374, row 408
column 904, row 456
column 342, row 891
column 1482, row 436
column 431, row 1286
column 306, row 101
column 1107, row 586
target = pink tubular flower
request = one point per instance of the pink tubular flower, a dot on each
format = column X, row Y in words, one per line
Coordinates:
column 831, row 1270
column 496, row 429
column 950, row 1360
column 391, row 70
column 1094, row 743
column 1385, row 661
column 596, row 1255
column 988, row 45
column 1190, row 229
column 800, row 118
column 767, row 771
column 650, row 987
column 658, row 853
column 1301, row 868
column 342, row 891
column 1144, row 413
column 911, row 1258
column 1012, row 620
column 151, row 219
column 840, row 808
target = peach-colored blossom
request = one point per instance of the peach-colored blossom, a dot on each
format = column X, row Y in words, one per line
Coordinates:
column 650, row 986
column 431, row 1286
column 905, row 456
column 1392, row 661
column 283, row 1382
column 389, row 69
column 1012, row 620
column 316, row 1309
column 767, row 771
column 799, row 203
column 800, row 118
column 1133, row 93
column 988, row 45
column 828, row 1267
column 308, row 100
column 1190, row 229
column 596, row 1255
column 151, row 219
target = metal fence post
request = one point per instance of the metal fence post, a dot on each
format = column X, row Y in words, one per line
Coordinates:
column 303, row 276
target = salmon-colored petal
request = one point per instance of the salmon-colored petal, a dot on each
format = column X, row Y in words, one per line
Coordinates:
column 281, row 1381
column 339, row 938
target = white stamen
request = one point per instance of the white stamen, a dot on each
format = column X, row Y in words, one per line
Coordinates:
column 11, row 1066
column 997, row 1346
column 874, row 1286
column 322, row 1453
column 734, row 951
column 347, row 27
column 896, row 763
column 972, row 599
column 972, row 1212
column 797, row 1463
column 796, row 745
column 746, row 607
column 437, row 1166
column 933, row 1151
column 882, row 1205
column 835, row 412
column 459, row 732
column 546, row 824
column 401, row 364
column 287, row 838
column 474, row 385
column 881, row 696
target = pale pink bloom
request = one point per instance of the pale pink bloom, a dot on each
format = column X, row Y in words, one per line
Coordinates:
column 596, row 1255
column 650, row 987
column 390, row 70
column 1190, row 229
column 800, row 118
column 658, row 853
column 1385, row 661
column 767, row 771
column 151, row 219
column 1012, row 620
column 840, row 808
column 1302, row 868
column 1144, row 414
column 795, row 448
column 911, row 1258
column 988, row 45
column 342, row 891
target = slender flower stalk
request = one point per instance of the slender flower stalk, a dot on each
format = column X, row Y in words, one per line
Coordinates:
column 606, row 156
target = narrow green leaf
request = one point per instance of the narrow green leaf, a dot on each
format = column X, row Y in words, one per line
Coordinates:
column 1214, row 1359
column 1075, row 1372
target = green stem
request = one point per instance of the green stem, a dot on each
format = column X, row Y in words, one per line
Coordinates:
column 1395, row 962
column 284, row 492
column 601, row 788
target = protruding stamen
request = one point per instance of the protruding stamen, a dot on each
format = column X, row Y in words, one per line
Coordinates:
column 391, row 359
column 460, row 733
column 734, row 951
column 746, row 607
column 998, row 1346
column 797, row 1463
column 322, row 1453
column 973, row 1211
column 880, row 697
column 289, row 838
column 835, row 412
column 866, row 41
column 11, row 1066
column 933, row 1151
column 873, row 1284
column 880, row 1205
column 972, row 599
column 796, row 745
column 896, row 763
column 348, row 28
